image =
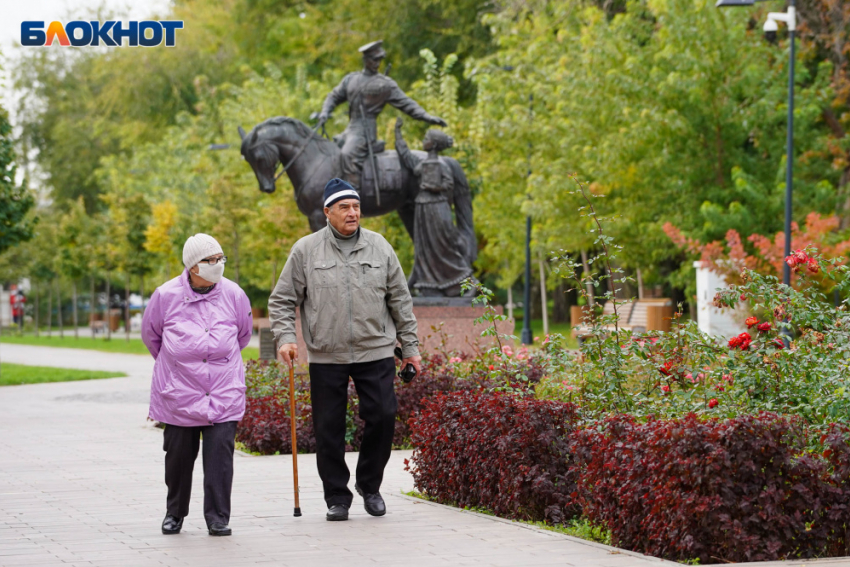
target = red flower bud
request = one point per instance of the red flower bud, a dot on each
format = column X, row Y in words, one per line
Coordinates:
column 752, row 321
column 712, row 402
column 813, row 266
column 763, row 326
column 665, row 388
column 779, row 343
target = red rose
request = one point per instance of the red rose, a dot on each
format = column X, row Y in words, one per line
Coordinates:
column 712, row 402
column 763, row 326
column 791, row 260
column 744, row 341
column 779, row 343
column 666, row 368
column 665, row 388
column 734, row 342
column 801, row 256
column 813, row 266
column 491, row 367
column 752, row 321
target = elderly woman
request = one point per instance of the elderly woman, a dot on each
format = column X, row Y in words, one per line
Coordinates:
column 195, row 327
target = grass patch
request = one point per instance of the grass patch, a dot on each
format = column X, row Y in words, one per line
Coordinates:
column 117, row 344
column 17, row 374
column 577, row 527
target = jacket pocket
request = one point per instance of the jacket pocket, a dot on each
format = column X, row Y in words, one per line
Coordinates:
column 324, row 290
column 372, row 275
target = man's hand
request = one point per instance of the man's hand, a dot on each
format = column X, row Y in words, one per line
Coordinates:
column 399, row 123
column 283, row 353
column 323, row 117
column 416, row 361
column 437, row 121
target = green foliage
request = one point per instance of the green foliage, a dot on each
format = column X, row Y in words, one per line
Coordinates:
column 17, row 374
column 15, row 201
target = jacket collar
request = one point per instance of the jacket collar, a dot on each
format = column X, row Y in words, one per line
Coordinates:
column 190, row 295
column 362, row 240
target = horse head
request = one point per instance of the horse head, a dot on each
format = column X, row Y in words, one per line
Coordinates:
column 262, row 155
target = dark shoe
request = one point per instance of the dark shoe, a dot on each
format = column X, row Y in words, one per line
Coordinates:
column 373, row 502
column 218, row 529
column 337, row 513
column 172, row 525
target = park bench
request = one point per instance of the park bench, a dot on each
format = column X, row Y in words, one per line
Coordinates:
column 638, row 316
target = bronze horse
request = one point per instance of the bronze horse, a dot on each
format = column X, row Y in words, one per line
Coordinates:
column 312, row 160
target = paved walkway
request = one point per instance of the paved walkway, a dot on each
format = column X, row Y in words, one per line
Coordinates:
column 81, row 483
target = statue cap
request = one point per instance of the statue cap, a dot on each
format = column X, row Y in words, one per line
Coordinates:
column 374, row 49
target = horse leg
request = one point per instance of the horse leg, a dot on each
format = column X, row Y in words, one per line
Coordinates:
column 317, row 220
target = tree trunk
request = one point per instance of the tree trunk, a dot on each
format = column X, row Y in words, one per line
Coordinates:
column 59, row 310
column 127, row 307
column 74, row 307
column 35, row 288
column 639, row 283
column 108, row 317
column 561, row 304
column 544, row 307
column 49, row 310
column 589, row 286
column 92, row 307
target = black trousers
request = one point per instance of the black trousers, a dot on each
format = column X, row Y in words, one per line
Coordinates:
column 181, row 449
column 328, row 392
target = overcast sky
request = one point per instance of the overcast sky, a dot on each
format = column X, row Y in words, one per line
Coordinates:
column 13, row 12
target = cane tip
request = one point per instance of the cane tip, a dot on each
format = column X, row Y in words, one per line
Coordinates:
column 297, row 513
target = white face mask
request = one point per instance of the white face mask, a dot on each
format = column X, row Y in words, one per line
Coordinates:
column 211, row 273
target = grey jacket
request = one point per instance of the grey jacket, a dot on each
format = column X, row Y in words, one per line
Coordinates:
column 352, row 310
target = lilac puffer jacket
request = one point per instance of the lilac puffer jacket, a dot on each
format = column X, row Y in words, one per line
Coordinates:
column 198, row 377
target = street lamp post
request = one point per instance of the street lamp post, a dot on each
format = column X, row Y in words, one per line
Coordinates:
column 527, row 336
column 770, row 29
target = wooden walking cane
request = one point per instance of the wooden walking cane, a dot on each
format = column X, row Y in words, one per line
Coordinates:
column 294, row 435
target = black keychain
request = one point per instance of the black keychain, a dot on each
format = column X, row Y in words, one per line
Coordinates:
column 408, row 373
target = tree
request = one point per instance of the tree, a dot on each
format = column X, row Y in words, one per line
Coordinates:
column 16, row 225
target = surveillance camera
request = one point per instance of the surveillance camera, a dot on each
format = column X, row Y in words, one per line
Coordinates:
column 770, row 29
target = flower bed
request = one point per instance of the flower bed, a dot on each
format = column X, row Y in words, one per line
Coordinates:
column 741, row 489
column 265, row 428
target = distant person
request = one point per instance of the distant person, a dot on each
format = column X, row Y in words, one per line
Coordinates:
column 195, row 327
column 355, row 305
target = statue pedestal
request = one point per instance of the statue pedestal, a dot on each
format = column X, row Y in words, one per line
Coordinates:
column 452, row 322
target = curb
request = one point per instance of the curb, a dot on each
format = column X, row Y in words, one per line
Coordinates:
column 600, row 546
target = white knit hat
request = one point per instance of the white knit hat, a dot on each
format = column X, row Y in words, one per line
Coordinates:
column 199, row 247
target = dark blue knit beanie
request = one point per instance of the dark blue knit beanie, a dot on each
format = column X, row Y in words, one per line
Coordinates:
column 337, row 190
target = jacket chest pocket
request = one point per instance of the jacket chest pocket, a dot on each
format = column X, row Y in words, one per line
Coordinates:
column 324, row 274
column 371, row 274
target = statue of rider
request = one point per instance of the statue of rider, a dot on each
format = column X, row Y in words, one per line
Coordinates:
column 367, row 92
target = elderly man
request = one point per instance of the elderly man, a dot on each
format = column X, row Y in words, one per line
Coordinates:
column 367, row 92
column 355, row 305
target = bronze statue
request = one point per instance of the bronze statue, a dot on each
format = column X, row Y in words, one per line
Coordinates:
column 444, row 253
column 367, row 92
